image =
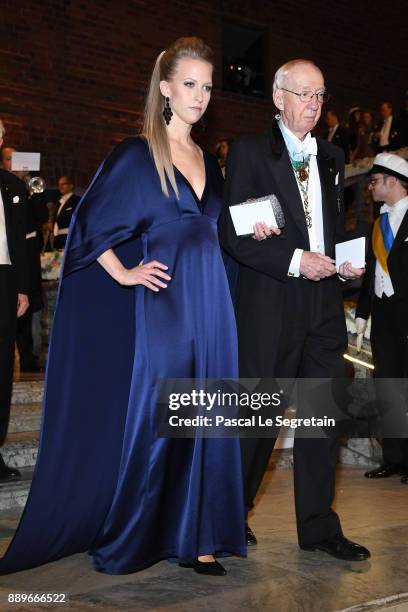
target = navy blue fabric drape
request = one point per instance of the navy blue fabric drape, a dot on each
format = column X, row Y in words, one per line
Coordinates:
column 104, row 482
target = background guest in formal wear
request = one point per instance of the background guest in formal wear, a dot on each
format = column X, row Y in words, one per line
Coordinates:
column 353, row 125
column 37, row 214
column 47, row 228
column 366, row 137
column 384, row 294
column 289, row 303
column 13, row 290
column 389, row 136
column 353, row 129
column 337, row 134
column 221, row 152
column 67, row 204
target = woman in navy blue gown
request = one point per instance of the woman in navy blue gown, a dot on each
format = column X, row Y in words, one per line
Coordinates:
column 104, row 482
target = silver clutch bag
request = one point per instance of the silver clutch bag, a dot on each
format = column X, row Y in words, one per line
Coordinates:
column 266, row 208
column 277, row 210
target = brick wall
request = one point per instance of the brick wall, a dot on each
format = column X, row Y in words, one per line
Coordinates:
column 73, row 73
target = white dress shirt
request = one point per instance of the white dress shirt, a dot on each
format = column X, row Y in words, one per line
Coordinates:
column 298, row 147
column 396, row 213
column 4, row 251
column 62, row 201
column 385, row 132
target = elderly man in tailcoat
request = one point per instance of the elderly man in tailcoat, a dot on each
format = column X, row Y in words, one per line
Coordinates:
column 289, row 301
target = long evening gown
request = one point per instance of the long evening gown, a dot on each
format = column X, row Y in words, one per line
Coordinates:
column 104, row 482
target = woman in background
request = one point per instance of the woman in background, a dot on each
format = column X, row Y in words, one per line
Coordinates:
column 366, row 136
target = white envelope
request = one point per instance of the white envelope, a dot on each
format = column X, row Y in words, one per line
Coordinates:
column 352, row 251
column 25, row 161
column 244, row 216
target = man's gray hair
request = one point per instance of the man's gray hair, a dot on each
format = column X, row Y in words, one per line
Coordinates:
column 2, row 129
column 282, row 72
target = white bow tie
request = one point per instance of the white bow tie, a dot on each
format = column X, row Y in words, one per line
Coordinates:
column 298, row 148
column 308, row 146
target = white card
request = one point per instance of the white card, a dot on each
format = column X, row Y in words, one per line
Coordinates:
column 244, row 216
column 25, row 161
column 352, row 251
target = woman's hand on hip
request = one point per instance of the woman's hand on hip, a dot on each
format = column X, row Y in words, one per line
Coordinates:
column 149, row 275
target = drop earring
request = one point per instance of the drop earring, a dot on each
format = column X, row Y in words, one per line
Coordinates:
column 167, row 112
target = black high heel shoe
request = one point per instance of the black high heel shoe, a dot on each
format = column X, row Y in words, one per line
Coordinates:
column 209, row 568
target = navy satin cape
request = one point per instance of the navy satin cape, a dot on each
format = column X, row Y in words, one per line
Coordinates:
column 104, row 482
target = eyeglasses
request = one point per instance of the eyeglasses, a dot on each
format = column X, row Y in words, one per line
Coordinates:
column 373, row 181
column 307, row 96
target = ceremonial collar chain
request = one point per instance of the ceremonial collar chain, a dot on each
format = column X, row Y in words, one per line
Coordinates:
column 302, row 173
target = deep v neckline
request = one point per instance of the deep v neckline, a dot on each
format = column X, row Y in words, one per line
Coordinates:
column 199, row 200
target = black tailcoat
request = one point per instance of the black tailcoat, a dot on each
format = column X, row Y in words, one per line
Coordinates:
column 15, row 213
column 288, row 326
column 14, row 279
column 63, row 219
column 258, row 166
column 341, row 139
column 395, row 137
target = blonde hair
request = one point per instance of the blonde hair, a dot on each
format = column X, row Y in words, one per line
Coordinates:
column 2, row 129
column 154, row 129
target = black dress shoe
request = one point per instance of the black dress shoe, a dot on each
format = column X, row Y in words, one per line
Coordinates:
column 404, row 479
column 7, row 473
column 250, row 536
column 209, row 568
column 384, row 471
column 341, row 548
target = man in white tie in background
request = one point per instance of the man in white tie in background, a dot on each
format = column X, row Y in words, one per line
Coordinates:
column 289, row 304
column 14, row 287
column 336, row 134
column 390, row 135
column 67, row 204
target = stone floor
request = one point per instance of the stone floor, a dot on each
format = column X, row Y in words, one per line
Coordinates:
column 276, row 577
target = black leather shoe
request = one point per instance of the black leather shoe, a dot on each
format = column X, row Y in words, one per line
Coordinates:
column 384, row 471
column 250, row 536
column 341, row 548
column 209, row 568
column 7, row 473
column 404, row 479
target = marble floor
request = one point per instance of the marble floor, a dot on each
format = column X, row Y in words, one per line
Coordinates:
column 276, row 577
